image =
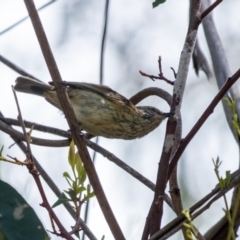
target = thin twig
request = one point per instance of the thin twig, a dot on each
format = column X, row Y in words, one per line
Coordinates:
column 34, row 172
column 13, row 161
column 160, row 75
column 26, row 138
column 16, row 68
column 103, row 43
column 210, row 9
column 25, row 18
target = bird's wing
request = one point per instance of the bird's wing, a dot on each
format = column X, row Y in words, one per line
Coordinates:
column 101, row 90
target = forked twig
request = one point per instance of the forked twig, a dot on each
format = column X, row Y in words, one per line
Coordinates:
column 160, row 75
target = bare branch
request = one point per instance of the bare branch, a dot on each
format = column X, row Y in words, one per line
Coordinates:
column 160, row 75
column 210, row 9
column 72, row 121
column 202, row 119
column 169, row 143
column 16, row 68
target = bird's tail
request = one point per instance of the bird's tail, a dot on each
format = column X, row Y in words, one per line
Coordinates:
column 31, row 86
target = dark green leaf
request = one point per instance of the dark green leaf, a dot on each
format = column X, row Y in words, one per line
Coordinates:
column 62, row 199
column 221, row 183
column 71, row 194
column 18, row 220
column 157, row 2
column 228, row 177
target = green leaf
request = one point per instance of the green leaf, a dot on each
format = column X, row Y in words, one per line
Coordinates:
column 62, row 199
column 68, row 178
column 82, row 175
column 71, row 194
column 18, row 220
column 228, row 101
column 71, row 154
column 90, row 195
column 228, row 177
column 80, row 189
column 67, row 175
column 221, row 183
column 157, row 2
column 79, row 164
column 218, row 162
column 47, row 238
column 74, row 186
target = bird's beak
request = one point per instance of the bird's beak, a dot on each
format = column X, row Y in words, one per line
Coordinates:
column 169, row 114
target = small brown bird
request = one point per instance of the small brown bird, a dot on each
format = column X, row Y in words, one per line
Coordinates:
column 99, row 110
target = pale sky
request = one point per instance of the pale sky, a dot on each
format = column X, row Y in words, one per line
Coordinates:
column 137, row 35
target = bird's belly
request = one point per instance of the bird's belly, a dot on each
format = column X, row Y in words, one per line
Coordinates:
column 104, row 120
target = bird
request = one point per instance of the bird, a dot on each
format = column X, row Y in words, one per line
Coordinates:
column 100, row 111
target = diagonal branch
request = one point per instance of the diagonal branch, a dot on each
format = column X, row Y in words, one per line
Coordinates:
column 15, row 67
column 72, row 121
column 202, row 119
column 25, row 18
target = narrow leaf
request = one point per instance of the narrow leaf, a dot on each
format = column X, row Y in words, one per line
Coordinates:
column 62, row 199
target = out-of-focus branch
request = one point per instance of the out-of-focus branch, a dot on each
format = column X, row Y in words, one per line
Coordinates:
column 200, row 61
column 220, row 64
column 222, row 72
column 103, row 43
column 25, row 18
column 16, row 68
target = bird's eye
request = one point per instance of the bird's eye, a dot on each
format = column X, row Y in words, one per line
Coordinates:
column 147, row 116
